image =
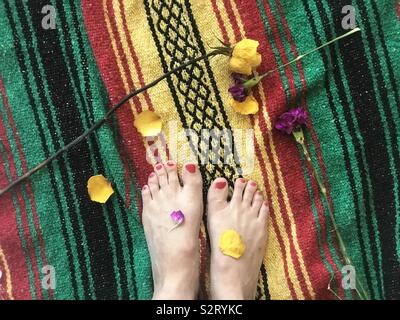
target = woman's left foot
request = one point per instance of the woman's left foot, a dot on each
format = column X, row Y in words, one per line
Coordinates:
column 246, row 216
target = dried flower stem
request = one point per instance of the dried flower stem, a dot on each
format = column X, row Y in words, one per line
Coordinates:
column 98, row 124
column 255, row 80
column 298, row 134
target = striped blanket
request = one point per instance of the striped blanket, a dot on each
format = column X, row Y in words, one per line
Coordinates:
column 54, row 83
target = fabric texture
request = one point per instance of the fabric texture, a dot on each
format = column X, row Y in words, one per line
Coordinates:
column 55, row 83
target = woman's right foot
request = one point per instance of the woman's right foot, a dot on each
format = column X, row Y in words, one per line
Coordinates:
column 174, row 252
column 247, row 214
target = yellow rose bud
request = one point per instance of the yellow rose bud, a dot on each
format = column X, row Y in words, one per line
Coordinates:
column 245, row 57
column 240, row 66
column 248, row 106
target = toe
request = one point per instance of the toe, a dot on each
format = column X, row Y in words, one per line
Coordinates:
column 257, row 202
column 248, row 194
column 217, row 195
column 264, row 212
column 172, row 172
column 146, row 195
column 153, row 184
column 191, row 177
column 240, row 184
column 161, row 174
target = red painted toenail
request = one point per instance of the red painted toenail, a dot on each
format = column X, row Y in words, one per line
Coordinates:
column 191, row 168
column 170, row 163
column 159, row 166
column 253, row 184
column 220, row 185
column 242, row 180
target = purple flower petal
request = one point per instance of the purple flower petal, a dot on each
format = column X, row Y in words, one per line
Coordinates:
column 177, row 216
column 289, row 121
column 238, row 92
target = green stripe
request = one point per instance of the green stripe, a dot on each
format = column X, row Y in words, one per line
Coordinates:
column 85, row 110
column 298, row 86
column 39, row 106
column 69, row 31
column 113, row 252
column 277, row 56
column 343, row 218
column 390, row 18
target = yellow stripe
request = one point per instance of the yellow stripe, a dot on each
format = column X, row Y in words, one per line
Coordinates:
column 207, row 21
column 9, row 288
column 280, row 178
column 277, row 209
column 123, row 74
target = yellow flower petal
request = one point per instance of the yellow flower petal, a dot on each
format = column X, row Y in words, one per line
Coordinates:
column 239, row 66
column 99, row 189
column 246, row 50
column 255, row 60
column 148, row 123
column 248, row 106
column 231, row 244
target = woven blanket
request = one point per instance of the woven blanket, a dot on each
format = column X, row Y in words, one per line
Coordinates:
column 56, row 82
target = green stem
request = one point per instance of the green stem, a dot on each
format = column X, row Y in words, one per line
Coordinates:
column 312, row 51
column 299, row 137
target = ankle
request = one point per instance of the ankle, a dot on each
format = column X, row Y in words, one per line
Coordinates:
column 227, row 293
column 176, row 290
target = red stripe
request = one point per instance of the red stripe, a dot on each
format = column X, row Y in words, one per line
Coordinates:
column 306, row 239
column 397, row 4
column 103, row 51
column 28, row 184
column 255, row 29
column 204, row 263
column 9, row 235
column 232, row 19
column 274, row 222
column 124, row 61
column 220, row 21
column 321, row 163
column 134, row 56
column 264, row 174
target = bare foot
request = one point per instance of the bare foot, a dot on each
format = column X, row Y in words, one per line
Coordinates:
column 174, row 253
column 247, row 214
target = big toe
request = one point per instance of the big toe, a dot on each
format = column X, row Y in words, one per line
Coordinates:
column 217, row 195
column 191, row 178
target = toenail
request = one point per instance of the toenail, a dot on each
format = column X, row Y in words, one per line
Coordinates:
column 152, row 175
column 242, row 180
column 159, row 166
column 170, row 163
column 253, row 184
column 191, row 168
column 144, row 188
column 220, row 185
